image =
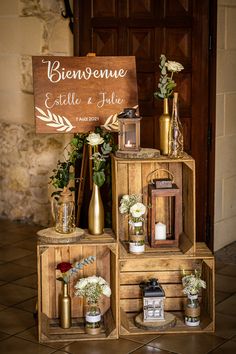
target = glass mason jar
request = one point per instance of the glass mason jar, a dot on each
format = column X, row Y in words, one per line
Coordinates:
column 93, row 319
column 63, row 212
column 136, row 237
column 192, row 311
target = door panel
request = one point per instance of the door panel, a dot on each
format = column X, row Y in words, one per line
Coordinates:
column 145, row 29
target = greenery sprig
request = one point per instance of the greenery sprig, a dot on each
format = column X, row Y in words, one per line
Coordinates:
column 62, row 174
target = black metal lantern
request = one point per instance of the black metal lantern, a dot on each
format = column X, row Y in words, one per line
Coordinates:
column 153, row 301
column 129, row 127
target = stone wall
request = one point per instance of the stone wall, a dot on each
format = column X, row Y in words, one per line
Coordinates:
column 225, row 179
column 28, row 27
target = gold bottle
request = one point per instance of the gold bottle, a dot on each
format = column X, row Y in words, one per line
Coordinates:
column 96, row 212
column 176, row 140
column 65, row 308
column 164, row 123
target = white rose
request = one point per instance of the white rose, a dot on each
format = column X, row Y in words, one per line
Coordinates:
column 94, row 139
column 93, row 279
column 174, row 66
column 101, row 281
column 137, row 210
column 81, row 283
column 106, row 290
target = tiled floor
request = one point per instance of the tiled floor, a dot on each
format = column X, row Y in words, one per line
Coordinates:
column 18, row 296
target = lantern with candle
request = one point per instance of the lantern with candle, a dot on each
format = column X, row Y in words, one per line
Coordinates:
column 164, row 216
column 129, row 128
column 153, row 301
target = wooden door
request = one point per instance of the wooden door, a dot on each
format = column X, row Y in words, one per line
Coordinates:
column 180, row 29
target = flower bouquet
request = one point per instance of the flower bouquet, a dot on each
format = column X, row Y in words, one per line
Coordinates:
column 92, row 288
column 132, row 206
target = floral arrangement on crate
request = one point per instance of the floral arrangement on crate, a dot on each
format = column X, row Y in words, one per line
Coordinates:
column 135, row 209
column 68, row 269
column 193, row 283
column 132, row 205
column 166, row 83
column 92, row 288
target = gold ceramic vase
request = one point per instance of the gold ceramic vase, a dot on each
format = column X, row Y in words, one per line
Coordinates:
column 96, row 212
column 65, row 308
column 164, row 124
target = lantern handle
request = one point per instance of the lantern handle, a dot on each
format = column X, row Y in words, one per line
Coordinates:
column 158, row 170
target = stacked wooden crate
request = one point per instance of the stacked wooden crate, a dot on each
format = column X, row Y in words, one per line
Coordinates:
column 104, row 248
column 123, row 270
column 166, row 264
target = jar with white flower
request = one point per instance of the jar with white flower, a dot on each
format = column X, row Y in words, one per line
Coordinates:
column 132, row 205
column 192, row 284
column 92, row 289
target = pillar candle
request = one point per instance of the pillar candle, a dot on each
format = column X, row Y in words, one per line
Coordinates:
column 160, row 231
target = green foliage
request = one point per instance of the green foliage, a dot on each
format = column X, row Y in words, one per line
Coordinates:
column 62, row 175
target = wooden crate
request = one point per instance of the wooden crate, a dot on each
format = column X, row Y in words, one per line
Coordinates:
column 104, row 247
column 167, row 268
column 130, row 176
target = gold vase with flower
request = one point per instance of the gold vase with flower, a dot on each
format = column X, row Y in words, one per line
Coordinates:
column 164, row 125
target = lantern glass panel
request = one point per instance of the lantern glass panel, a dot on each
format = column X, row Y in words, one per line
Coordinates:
column 153, row 309
column 165, row 213
column 130, row 135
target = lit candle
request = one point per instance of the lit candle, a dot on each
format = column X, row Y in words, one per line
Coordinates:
column 128, row 145
column 160, row 231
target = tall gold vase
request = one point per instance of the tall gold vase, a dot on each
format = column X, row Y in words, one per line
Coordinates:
column 65, row 308
column 164, row 124
column 96, row 212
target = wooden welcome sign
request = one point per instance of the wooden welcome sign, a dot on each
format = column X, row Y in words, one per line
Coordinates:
column 75, row 94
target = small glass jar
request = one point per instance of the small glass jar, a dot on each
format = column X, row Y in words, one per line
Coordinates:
column 93, row 319
column 192, row 311
column 136, row 237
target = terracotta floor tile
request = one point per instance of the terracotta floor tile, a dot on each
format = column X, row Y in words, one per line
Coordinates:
column 227, row 348
column 228, row 306
column 141, row 338
column 225, row 326
column 13, row 320
column 221, row 296
column 3, row 335
column 226, row 283
column 28, row 305
column 8, row 254
column 11, row 294
column 119, row 346
column 150, row 350
column 29, row 281
column 10, row 272
column 31, row 334
column 2, row 307
column 229, row 270
column 187, row 343
column 14, row 345
column 28, row 261
column 29, row 244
